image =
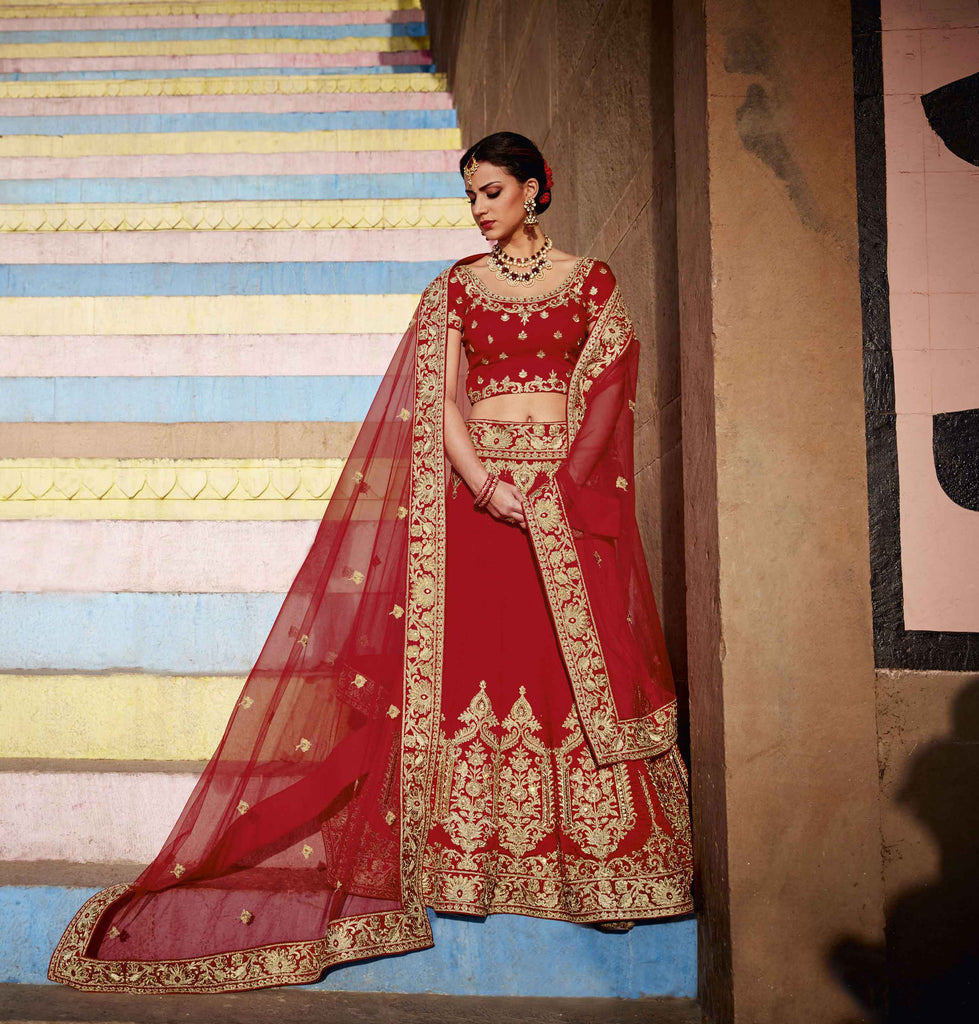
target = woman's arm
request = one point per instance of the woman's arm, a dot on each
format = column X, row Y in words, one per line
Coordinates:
column 506, row 503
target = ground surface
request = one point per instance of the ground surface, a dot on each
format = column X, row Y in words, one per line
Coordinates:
column 47, row 1004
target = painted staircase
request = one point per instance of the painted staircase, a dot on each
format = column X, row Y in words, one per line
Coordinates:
column 215, row 219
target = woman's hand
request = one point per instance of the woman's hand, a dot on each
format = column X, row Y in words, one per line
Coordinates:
column 507, row 505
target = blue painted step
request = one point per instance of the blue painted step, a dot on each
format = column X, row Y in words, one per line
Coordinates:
column 505, row 955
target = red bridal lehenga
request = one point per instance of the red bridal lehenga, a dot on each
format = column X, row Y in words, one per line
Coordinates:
column 449, row 712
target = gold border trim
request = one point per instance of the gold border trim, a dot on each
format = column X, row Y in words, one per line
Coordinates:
column 612, row 739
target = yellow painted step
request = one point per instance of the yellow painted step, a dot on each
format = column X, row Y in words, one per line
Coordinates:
column 122, row 717
column 257, row 85
column 145, row 143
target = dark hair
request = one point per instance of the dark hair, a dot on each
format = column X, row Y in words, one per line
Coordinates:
column 518, row 156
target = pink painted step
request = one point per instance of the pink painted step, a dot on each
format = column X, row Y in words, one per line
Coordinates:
column 353, row 58
column 196, row 355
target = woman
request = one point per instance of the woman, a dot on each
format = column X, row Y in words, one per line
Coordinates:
column 465, row 701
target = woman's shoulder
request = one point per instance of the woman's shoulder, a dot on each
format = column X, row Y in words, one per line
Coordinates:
column 599, row 281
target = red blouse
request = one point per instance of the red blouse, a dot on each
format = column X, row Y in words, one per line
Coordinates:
column 520, row 345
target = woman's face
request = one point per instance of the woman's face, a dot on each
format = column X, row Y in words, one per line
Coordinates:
column 496, row 199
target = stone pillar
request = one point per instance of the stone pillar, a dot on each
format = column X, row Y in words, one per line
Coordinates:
column 778, row 602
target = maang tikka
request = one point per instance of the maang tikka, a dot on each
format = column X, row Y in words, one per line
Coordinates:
column 469, row 170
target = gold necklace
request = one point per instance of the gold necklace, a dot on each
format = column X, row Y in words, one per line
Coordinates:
column 522, row 270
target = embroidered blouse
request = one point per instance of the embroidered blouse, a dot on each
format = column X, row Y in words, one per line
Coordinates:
column 517, row 344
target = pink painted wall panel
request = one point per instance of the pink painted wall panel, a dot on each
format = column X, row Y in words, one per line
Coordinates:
column 933, row 271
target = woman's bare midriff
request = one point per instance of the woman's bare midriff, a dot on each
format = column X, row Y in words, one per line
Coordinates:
column 548, row 407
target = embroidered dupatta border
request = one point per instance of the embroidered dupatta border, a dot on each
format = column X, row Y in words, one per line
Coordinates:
column 367, row 935
column 611, row 739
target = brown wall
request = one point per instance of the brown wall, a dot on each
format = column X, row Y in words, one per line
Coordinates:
column 590, row 81
column 818, row 782
column 779, row 596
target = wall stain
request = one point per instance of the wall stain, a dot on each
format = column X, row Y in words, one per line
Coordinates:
column 760, row 135
column 748, row 51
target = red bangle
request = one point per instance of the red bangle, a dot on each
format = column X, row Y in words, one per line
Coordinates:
column 486, row 491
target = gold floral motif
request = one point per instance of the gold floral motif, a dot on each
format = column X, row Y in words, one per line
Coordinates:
column 465, row 797
column 307, row 851
column 245, row 703
column 304, row 745
column 596, row 805
column 242, row 806
column 518, row 440
column 525, row 811
column 246, row 917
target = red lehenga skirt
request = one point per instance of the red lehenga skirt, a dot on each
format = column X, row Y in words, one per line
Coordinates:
column 522, row 820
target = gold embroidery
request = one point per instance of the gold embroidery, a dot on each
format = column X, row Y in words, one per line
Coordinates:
column 178, row 870
column 397, row 611
column 303, row 745
column 506, row 386
column 622, row 483
column 246, row 917
column 524, row 807
column 519, row 440
column 612, row 739
column 359, row 681
column 242, row 806
column 466, row 788
column 245, row 703
column 498, row 801
column 596, row 805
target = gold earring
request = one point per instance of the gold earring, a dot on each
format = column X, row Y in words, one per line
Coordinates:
column 530, row 217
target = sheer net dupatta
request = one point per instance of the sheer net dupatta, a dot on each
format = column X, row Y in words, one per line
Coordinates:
column 300, row 845
column 589, row 553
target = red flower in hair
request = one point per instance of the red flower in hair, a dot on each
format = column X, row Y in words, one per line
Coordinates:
column 545, row 196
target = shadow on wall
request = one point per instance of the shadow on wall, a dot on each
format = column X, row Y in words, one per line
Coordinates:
column 929, row 970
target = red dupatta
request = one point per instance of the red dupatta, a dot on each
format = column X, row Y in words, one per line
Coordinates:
column 301, row 845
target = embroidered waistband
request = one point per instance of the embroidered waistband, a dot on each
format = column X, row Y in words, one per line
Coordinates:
column 519, row 438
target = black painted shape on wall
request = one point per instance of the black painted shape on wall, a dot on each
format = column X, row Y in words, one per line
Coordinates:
column 953, row 113
column 955, row 444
